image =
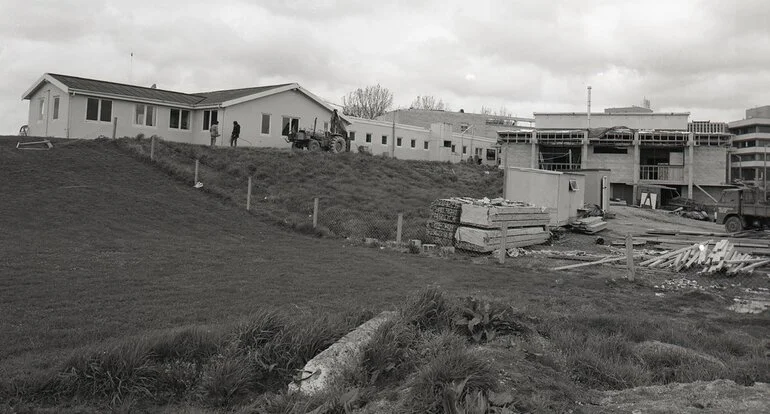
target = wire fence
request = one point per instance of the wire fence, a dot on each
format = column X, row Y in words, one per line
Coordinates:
column 231, row 175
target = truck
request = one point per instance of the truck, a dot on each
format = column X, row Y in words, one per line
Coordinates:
column 742, row 208
column 335, row 140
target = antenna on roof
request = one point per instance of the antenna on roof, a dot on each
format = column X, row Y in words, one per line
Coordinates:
column 589, row 106
column 131, row 69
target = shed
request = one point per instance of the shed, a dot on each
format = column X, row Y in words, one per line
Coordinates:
column 561, row 193
column 597, row 187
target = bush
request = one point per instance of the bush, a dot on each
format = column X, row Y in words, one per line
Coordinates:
column 391, row 354
column 429, row 309
column 226, row 380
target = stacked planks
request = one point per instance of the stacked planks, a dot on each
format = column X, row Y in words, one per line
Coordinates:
column 482, row 222
column 723, row 257
column 754, row 243
column 589, row 225
column 445, row 219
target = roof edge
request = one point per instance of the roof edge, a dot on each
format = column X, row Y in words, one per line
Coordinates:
column 46, row 77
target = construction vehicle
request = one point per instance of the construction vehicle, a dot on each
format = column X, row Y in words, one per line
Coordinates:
column 742, row 208
column 335, row 140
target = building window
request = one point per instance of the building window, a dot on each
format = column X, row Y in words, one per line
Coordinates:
column 352, row 135
column 463, row 127
column 425, row 145
column 265, row 124
column 491, row 154
column 209, row 117
column 413, row 143
column 179, row 119
column 41, row 109
column 368, row 137
column 98, row 110
column 144, row 115
column 447, row 144
column 326, row 126
column 384, row 140
column 398, row 141
column 55, row 107
column 289, row 124
column 465, row 149
column 453, row 148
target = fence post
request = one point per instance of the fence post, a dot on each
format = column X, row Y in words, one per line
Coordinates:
column 114, row 127
column 152, row 148
column 503, row 241
column 399, row 227
column 315, row 212
column 630, row 256
column 248, row 196
column 196, row 172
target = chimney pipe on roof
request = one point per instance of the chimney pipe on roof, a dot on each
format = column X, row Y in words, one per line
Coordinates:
column 589, row 106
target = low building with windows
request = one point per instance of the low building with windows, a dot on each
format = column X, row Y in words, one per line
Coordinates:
column 483, row 125
column 641, row 148
column 74, row 107
column 437, row 142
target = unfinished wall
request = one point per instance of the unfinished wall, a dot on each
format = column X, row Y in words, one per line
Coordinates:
column 710, row 165
column 519, row 155
column 598, row 120
column 621, row 165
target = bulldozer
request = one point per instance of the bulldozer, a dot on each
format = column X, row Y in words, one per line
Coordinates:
column 335, row 140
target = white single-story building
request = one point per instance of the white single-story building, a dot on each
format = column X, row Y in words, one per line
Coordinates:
column 73, row 107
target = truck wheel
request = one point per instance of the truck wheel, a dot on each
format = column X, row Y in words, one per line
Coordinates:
column 313, row 146
column 338, row 145
column 733, row 225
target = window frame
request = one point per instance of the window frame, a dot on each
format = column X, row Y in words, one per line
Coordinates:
column 399, row 141
column 207, row 119
column 412, row 143
column 291, row 121
column 99, row 110
column 181, row 117
column 426, row 145
column 384, row 140
column 263, row 124
column 369, row 138
column 145, row 113
column 56, row 104
column 352, row 136
column 41, row 110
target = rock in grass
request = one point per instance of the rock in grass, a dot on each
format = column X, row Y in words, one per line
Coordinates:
column 321, row 371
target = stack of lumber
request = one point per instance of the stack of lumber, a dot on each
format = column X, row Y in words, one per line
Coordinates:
column 444, row 220
column 589, row 225
column 723, row 257
column 482, row 223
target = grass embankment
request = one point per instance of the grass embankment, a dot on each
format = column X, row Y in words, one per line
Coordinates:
column 440, row 353
column 360, row 195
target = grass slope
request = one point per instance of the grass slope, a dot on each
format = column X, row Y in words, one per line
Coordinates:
column 360, row 195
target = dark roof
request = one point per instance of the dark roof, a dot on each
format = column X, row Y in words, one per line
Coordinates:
column 216, row 97
column 601, row 132
column 97, row 86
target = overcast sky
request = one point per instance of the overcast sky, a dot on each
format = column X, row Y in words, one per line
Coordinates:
column 710, row 57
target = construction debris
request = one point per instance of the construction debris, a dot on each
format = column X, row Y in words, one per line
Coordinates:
column 589, row 225
column 35, row 145
column 721, row 258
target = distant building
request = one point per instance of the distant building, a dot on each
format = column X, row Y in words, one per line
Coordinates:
column 640, row 147
column 462, row 122
column 752, row 137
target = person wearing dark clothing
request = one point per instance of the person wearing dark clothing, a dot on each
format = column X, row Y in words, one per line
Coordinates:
column 236, row 133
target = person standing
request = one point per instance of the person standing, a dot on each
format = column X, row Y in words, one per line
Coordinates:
column 214, row 130
column 236, row 133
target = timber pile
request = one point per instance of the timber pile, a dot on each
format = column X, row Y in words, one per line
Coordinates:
column 476, row 225
column 723, row 257
column 753, row 243
column 589, row 225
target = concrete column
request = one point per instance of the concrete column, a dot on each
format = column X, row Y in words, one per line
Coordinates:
column 533, row 157
column 690, row 163
column 637, row 157
column 584, row 152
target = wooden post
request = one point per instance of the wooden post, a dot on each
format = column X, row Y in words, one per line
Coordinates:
column 503, row 240
column 630, row 256
column 315, row 212
column 152, row 148
column 248, row 196
column 114, row 127
column 196, row 172
column 399, row 227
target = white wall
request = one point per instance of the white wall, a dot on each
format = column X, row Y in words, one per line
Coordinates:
column 48, row 127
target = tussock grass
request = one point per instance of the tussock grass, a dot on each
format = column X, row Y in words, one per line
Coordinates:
column 429, row 309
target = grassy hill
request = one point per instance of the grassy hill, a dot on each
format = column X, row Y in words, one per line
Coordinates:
column 360, row 195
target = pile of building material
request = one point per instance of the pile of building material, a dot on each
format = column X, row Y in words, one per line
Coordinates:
column 722, row 257
column 753, row 243
column 477, row 224
column 589, row 225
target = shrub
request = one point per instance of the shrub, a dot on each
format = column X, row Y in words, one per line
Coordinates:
column 483, row 320
column 429, row 309
column 226, row 380
column 391, row 353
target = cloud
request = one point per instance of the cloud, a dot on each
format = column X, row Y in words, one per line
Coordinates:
column 706, row 57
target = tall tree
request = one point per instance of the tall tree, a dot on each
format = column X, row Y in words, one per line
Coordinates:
column 429, row 102
column 369, row 102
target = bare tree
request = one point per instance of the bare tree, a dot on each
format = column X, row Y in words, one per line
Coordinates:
column 429, row 102
column 369, row 102
column 485, row 110
column 503, row 111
